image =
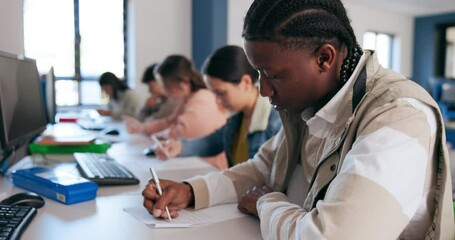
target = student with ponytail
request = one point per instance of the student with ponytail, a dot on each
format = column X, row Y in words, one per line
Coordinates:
column 362, row 151
column 197, row 114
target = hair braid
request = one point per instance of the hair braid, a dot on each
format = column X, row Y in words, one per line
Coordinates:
column 304, row 24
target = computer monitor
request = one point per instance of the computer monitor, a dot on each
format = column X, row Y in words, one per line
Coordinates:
column 22, row 110
column 51, row 106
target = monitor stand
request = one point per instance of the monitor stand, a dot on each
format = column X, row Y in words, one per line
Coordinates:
column 14, row 156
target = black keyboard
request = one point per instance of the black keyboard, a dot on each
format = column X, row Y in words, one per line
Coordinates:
column 103, row 169
column 14, row 220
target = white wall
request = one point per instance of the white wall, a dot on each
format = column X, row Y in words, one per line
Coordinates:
column 11, row 27
column 160, row 28
column 236, row 14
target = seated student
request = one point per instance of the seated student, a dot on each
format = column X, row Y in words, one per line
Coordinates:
column 122, row 100
column 158, row 104
column 367, row 143
column 230, row 76
column 198, row 113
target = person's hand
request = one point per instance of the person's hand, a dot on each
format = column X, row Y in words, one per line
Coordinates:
column 171, row 147
column 248, row 202
column 152, row 102
column 175, row 196
column 103, row 112
column 133, row 125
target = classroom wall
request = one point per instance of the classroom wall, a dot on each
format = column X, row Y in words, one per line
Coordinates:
column 209, row 28
column 11, row 27
column 236, row 13
column 159, row 28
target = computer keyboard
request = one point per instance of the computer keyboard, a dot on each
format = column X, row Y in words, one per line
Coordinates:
column 103, row 169
column 14, row 220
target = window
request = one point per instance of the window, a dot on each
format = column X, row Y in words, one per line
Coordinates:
column 81, row 39
column 383, row 44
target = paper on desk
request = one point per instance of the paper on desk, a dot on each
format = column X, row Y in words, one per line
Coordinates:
column 180, row 163
column 188, row 218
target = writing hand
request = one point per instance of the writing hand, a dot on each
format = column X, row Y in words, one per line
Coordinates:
column 133, row 125
column 248, row 202
column 175, row 196
column 172, row 147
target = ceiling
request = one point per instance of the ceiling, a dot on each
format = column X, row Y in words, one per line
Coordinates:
column 411, row 7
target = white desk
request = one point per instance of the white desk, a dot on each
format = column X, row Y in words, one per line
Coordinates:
column 104, row 218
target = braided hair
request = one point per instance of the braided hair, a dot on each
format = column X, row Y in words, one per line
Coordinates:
column 304, row 24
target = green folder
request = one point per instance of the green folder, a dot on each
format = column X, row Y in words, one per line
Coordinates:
column 96, row 147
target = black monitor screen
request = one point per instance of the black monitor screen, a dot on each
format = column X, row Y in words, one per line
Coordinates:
column 50, row 96
column 22, row 107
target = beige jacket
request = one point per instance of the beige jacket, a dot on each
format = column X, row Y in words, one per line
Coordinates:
column 277, row 159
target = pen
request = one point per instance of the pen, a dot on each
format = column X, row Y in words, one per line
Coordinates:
column 160, row 192
column 160, row 145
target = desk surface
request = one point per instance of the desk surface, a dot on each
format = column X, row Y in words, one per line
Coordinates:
column 104, row 218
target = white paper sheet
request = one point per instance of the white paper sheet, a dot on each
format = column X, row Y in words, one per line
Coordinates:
column 187, row 217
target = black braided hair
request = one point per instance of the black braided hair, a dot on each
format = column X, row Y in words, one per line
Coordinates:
column 304, row 24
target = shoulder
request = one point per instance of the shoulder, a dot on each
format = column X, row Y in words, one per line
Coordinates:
column 129, row 93
column 202, row 95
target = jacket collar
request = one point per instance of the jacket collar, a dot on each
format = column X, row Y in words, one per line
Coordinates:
column 321, row 122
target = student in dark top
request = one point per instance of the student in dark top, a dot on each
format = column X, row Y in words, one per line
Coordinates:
column 158, row 105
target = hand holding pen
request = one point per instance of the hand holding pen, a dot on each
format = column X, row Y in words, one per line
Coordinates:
column 158, row 187
column 169, row 149
column 160, row 146
column 176, row 196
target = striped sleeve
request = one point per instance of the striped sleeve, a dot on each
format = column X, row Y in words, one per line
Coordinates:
column 382, row 184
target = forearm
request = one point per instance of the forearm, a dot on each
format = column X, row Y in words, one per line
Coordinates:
column 210, row 145
column 344, row 214
column 156, row 125
column 212, row 189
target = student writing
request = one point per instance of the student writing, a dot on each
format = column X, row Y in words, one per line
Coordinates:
column 362, row 153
